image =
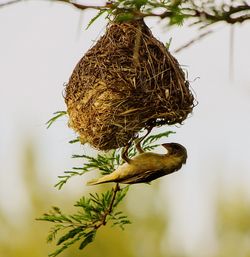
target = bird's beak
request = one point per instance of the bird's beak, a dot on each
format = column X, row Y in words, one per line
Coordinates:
column 168, row 147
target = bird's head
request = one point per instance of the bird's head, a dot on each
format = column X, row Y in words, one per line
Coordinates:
column 176, row 149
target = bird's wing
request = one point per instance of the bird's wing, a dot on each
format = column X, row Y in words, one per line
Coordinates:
column 145, row 177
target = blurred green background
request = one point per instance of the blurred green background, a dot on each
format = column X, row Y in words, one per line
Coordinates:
column 146, row 236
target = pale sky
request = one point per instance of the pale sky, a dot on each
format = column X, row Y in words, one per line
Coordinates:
column 39, row 47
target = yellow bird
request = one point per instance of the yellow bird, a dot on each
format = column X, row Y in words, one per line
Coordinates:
column 147, row 166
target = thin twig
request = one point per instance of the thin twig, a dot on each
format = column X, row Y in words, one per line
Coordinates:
column 115, row 190
column 110, row 208
column 191, row 12
column 193, row 41
column 10, row 2
column 84, row 7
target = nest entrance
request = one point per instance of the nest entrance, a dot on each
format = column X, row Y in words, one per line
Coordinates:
column 126, row 82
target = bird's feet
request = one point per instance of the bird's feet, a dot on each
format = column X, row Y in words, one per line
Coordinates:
column 139, row 140
column 125, row 153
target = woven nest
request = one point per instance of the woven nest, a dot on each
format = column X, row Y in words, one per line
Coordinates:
column 126, row 82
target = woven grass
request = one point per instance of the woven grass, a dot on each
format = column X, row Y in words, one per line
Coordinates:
column 126, row 82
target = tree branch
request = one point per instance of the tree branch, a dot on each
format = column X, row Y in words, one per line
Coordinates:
column 110, row 208
column 204, row 13
column 82, row 6
column 213, row 15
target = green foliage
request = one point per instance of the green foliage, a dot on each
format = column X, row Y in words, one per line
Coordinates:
column 132, row 4
column 167, row 44
column 58, row 114
column 122, row 17
column 73, row 141
column 125, row 10
column 177, row 19
column 99, row 14
column 107, row 162
column 93, row 212
column 96, row 210
column 174, row 12
column 148, row 143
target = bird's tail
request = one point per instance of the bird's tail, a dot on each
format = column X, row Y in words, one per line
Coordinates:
column 93, row 182
column 104, row 179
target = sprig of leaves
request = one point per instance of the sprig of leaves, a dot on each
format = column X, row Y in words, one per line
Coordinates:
column 56, row 116
column 148, row 143
column 205, row 12
column 99, row 14
column 93, row 212
column 105, row 163
column 108, row 162
column 97, row 209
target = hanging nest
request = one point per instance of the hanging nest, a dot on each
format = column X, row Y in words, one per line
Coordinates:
column 126, row 82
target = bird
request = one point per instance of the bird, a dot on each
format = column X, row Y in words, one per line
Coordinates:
column 147, row 166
